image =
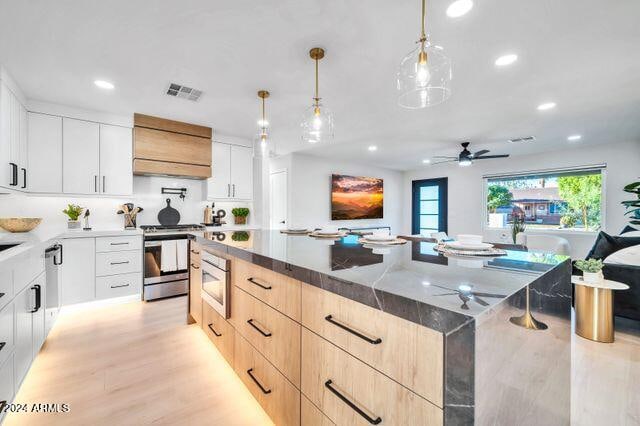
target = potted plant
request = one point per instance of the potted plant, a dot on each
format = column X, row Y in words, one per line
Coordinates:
column 240, row 214
column 73, row 211
column 591, row 269
column 633, row 206
column 240, row 236
column 517, row 227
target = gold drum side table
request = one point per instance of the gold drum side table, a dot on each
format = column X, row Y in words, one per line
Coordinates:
column 594, row 308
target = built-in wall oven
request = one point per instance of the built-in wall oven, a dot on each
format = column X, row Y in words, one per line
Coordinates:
column 216, row 283
column 166, row 270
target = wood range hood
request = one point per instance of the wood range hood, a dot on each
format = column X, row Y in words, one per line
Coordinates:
column 164, row 147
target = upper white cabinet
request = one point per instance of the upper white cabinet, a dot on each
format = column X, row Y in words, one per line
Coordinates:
column 13, row 140
column 232, row 172
column 116, row 167
column 44, row 153
column 80, row 156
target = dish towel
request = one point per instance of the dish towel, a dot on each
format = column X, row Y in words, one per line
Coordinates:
column 169, row 256
column 182, row 248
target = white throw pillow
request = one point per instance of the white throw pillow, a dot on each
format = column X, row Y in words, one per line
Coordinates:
column 631, row 234
column 626, row 256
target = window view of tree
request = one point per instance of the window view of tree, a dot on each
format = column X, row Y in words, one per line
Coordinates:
column 559, row 200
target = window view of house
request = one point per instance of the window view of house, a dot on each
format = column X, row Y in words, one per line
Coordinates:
column 559, row 200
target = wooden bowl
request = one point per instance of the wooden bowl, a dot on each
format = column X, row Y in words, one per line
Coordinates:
column 19, row 224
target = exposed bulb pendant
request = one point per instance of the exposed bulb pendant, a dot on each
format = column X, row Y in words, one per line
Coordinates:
column 317, row 123
column 261, row 148
column 424, row 75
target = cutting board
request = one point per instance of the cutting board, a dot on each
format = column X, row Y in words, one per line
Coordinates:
column 168, row 215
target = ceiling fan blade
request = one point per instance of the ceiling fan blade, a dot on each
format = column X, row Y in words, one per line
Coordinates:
column 445, row 156
column 479, row 153
column 445, row 161
column 491, row 156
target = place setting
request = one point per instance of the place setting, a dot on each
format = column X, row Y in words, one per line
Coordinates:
column 381, row 238
column 328, row 232
column 468, row 245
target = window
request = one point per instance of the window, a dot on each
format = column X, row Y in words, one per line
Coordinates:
column 429, row 206
column 563, row 199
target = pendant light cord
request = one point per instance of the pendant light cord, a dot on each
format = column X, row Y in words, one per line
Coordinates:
column 423, row 35
column 317, row 99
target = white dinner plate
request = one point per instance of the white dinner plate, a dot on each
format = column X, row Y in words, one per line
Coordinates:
column 457, row 245
column 379, row 237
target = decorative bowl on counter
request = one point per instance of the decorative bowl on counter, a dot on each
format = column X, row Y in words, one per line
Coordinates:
column 19, row 224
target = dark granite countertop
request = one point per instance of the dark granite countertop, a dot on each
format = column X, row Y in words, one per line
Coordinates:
column 411, row 280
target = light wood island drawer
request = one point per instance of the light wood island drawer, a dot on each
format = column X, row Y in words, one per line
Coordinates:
column 273, row 334
column 408, row 353
column 311, row 415
column 276, row 290
column 349, row 392
column 219, row 331
column 277, row 396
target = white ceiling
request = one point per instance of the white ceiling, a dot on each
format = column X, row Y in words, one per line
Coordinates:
column 582, row 54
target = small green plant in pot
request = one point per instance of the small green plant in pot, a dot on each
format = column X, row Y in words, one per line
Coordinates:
column 591, row 270
column 73, row 211
column 240, row 214
column 633, row 206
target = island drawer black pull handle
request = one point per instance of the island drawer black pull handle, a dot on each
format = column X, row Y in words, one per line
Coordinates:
column 253, row 281
column 2, row 344
column 119, row 244
column 195, row 266
column 250, row 322
column 214, row 331
column 120, row 286
column 376, row 341
column 346, row 400
column 264, row 391
column 120, row 263
column 195, row 252
column 1, row 295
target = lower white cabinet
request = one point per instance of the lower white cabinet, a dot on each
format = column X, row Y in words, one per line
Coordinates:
column 29, row 326
column 118, row 262
column 118, row 285
column 78, row 271
column 7, row 387
column 6, row 331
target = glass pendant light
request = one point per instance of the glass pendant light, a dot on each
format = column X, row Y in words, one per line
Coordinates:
column 262, row 146
column 424, row 75
column 317, row 122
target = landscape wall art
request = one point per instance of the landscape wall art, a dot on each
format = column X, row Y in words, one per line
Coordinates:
column 356, row 197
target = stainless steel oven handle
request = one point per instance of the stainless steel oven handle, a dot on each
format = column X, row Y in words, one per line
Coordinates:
column 152, row 243
column 211, row 264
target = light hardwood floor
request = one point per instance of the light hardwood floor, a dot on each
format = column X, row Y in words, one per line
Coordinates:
column 135, row 364
column 139, row 364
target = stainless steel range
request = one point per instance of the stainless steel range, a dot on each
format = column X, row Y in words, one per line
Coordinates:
column 166, row 268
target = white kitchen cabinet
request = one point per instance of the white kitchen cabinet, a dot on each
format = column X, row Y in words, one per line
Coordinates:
column 6, row 383
column 116, row 164
column 219, row 184
column 23, row 304
column 80, row 156
column 6, row 331
column 78, row 271
column 232, row 172
column 13, row 137
column 44, row 153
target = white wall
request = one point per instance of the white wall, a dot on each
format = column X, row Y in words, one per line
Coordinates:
column 466, row 203
column 309, row 187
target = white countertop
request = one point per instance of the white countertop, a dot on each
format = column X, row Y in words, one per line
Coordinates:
column 43, row 236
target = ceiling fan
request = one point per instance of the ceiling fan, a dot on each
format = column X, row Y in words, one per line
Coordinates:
column 466, row 158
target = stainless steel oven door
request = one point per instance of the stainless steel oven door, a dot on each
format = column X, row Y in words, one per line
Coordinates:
column 215, row 283
column 153, row 273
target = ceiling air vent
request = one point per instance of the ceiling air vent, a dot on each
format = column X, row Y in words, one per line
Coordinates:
column 525, row 139
column 184, row 92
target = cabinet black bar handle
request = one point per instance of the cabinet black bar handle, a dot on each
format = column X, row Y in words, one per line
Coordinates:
column 214, row 331
column 2, row 344
column 120, row 286
column 195, row 252
column 119, row 244
column 195, row 266
column 14, row 174
column 120, row 263
column 250, row 322
column 346, row 400
column 24, row 177
column 376, row 341
column 38, row 290
column 253, row 281
column 58, row 263
column 1, row 295
column 264, row 391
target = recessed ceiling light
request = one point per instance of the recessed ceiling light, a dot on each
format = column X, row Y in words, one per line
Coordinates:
column 373, row 148
column 104, row 84
column 505, row 60
column 547, row 105
column 459, row 8
column 426, row 161
column 574, row 138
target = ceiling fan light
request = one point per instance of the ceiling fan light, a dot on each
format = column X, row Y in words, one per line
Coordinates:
column 465, row 162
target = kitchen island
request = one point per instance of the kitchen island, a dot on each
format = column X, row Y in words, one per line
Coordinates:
column 394, row 335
